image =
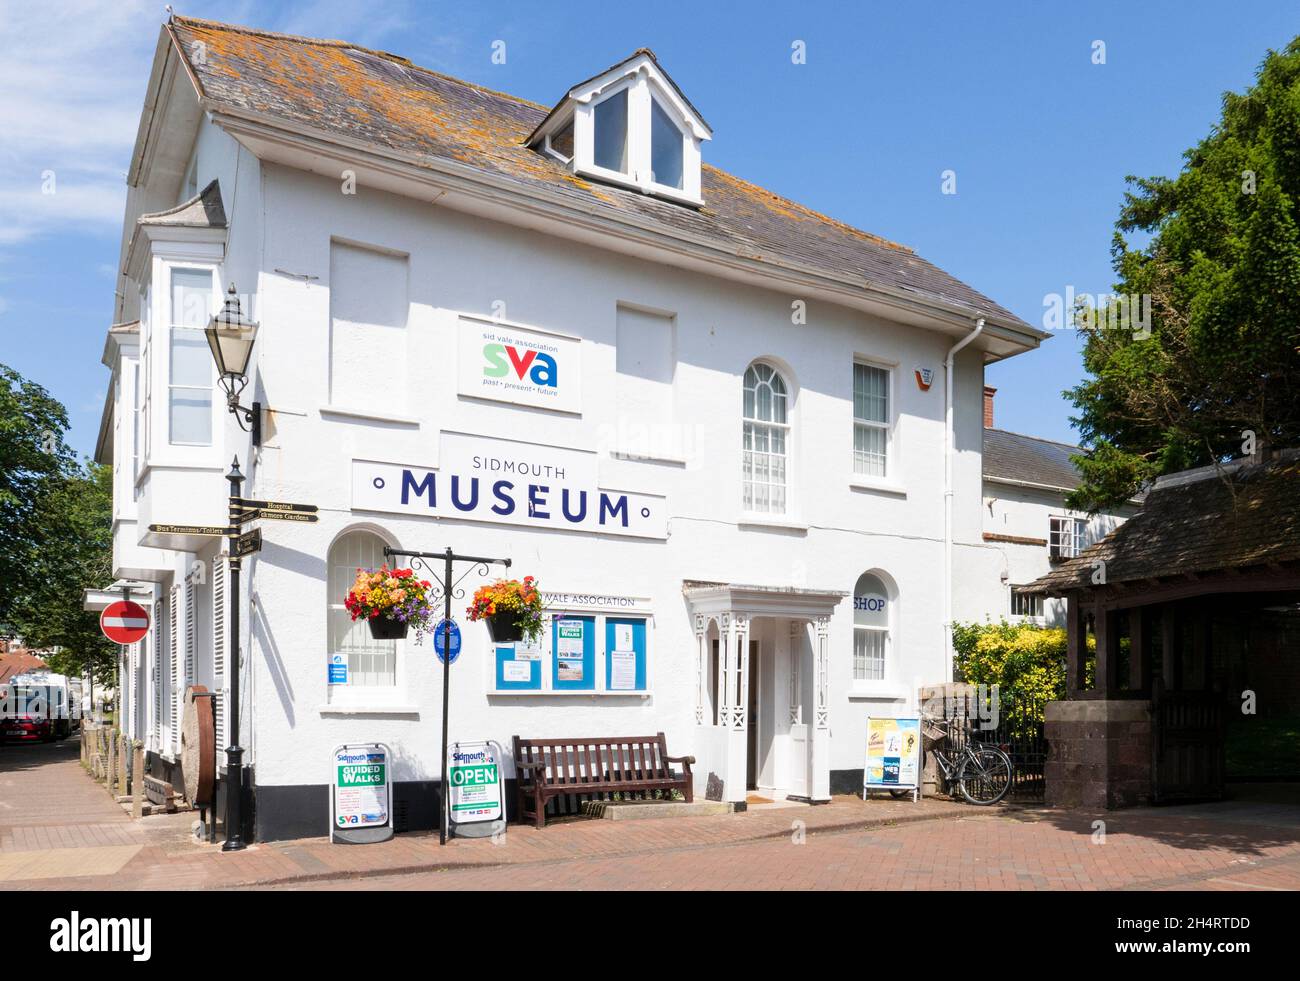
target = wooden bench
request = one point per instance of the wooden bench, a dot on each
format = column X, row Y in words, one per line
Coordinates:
column 594, row 767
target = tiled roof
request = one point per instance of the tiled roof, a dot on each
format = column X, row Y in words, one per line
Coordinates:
column 18, row 662
column 354, row 94
column 1011, row 456
column 1248, row 515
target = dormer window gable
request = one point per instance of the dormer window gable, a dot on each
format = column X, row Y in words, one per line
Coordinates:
column 631, row 126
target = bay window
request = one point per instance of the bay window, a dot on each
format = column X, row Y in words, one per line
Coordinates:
column 189, row 395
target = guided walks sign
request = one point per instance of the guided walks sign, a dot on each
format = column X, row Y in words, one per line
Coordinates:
column 361, row 798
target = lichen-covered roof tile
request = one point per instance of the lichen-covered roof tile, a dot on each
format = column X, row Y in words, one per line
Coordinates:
column 382, row 99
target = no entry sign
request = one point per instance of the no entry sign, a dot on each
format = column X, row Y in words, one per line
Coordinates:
column 124, row 622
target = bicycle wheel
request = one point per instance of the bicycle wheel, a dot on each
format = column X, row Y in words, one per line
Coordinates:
column 985, row 776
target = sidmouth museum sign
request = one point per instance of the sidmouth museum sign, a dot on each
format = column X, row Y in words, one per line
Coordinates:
column 512, row 483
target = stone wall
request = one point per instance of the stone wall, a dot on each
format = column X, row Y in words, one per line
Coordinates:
column 1099, row 753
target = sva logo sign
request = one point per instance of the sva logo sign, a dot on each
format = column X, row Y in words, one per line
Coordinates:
column 502, row 360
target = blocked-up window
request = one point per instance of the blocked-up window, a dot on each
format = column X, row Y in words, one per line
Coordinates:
column 645, row 362
column 369, row 300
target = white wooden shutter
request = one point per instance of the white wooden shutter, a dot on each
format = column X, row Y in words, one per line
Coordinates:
column 155, row 734
column 190, row 593
column 173, row 672
column 220, row 645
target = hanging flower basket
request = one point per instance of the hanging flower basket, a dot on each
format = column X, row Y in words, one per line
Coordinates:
column 391, row 601
column 384, row 628
column 503, row 629
column 512, row 609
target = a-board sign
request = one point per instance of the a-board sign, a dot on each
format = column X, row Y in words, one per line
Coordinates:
column 440, row 638
column 361, row 793
column 893, row 755
column 124, row 622
column 477, row 787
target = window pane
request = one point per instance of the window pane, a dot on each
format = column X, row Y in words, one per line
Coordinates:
column 665, row 147
column 191, row 358
column 869, row 654
column 562, row 142
column 191, row 415
column 191, row 297
column 611, row 133
column 870, row 445
column 870, row 393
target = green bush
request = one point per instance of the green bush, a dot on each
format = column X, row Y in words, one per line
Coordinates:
column 1026, row 663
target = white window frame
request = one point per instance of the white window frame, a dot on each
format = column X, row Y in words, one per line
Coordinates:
column 746, row 479
column 1036, row 601
column 172, row 327
column 641, row 89
column 352, row 694
column 888, row 426
column 1063, row 546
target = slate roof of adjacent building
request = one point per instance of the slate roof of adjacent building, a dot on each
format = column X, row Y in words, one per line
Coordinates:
column 1202, row 521
column 353, row 94
column 1012, row 456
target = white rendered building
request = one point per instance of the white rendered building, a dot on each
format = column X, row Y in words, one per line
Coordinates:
column 719, row 427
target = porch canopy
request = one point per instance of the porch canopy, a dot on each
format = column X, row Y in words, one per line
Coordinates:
column 1218, row 546
column 729, row 609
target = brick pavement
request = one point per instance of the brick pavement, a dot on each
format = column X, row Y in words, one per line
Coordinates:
column 59, row 830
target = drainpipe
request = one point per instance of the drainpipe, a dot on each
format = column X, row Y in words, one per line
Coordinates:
column 947, row 493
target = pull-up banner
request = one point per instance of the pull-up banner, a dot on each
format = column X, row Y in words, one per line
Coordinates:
column 512, row 483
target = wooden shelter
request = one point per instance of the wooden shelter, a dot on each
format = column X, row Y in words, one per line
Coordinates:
column 1184, row 618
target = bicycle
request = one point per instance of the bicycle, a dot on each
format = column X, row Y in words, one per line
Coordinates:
column 981, row 772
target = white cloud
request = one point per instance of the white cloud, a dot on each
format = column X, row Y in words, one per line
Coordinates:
column 72, row 85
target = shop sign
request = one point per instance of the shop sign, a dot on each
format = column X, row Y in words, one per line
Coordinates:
column 509, row 482
column 507, row 363
column 893, row 754
column 362, row 795
column 477, row 789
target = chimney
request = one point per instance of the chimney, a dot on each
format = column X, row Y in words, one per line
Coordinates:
column 989, row 392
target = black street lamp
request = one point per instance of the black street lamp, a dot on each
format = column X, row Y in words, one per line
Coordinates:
column 234, row 752
column 230, row 336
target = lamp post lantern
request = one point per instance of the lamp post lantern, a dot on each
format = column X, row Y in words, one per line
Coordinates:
column 230, row 337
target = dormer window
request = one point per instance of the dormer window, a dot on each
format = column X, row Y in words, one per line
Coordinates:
column 611, row 133
column 665, row 148
column 630, row 126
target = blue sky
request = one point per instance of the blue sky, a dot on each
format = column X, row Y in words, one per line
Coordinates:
column 891, row 95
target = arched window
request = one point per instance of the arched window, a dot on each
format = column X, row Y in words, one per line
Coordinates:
column 766, row 439
column 870, row 628
column 370, row 661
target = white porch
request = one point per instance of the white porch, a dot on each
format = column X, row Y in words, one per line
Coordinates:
column 762, row 690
